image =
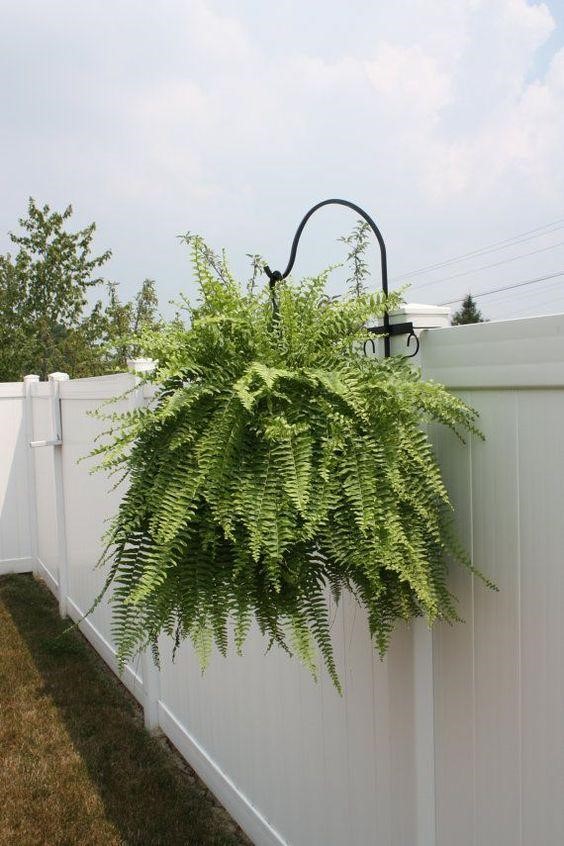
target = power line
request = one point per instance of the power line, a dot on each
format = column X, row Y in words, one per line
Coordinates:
column 547, row 288
column 492, row 247
column 550, row 288
column 506, row 288
column 545, row 304
column 489, row 266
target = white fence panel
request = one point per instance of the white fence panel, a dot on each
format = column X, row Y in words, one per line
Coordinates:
column 88, row 503
column 499, row 678
column 16, row 525
column 462, row 730
column 541, row 486
column 314, row 766
column 45, row 500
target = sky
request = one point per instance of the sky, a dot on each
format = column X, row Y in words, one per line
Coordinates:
column 444, row 119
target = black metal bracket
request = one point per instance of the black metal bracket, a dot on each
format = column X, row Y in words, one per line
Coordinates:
column 393, row 329
column 387, row 329
column 390, row 331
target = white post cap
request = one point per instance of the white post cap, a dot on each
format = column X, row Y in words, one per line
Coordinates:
column 422, row 316
column 141, row 365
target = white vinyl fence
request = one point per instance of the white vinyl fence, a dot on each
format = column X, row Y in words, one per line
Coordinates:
column 456, row 738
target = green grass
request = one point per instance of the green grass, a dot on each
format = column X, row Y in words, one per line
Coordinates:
column 76, row 764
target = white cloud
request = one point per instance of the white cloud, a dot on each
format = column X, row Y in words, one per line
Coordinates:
column 410, row 81
column 523, row 141
column 436, row 115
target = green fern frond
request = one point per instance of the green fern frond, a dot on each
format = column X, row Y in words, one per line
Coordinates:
column 274, row 468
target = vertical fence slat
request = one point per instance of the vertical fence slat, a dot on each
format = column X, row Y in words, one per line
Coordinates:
column 149, row 670
column 54, row 381
column 30, row 380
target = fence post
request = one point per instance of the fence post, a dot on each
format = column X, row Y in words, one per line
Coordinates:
column 423, row 317
column 55, row 380
column 151, row 674
column 30, row 380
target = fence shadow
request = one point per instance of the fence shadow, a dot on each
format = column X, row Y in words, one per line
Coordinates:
column 149, row 797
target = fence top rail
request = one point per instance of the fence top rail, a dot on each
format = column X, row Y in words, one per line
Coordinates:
column 41, row 389
column 523, row 353
column 96, row 387
column 11, row 390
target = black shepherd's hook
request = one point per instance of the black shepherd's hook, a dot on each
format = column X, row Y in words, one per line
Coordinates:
column 275, row 276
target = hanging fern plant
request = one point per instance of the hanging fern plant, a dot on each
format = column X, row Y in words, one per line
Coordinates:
column 275, row 463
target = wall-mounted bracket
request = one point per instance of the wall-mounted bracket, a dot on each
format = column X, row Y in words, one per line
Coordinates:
column 389, row 331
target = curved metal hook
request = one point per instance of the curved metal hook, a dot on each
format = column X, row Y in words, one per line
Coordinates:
column 369, row 341
column 275, row 276
column 417, row 344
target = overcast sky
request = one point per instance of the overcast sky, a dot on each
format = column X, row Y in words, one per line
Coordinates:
column 443, row 118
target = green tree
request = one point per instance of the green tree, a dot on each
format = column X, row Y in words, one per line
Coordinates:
column 145, row 307
column 468, row 312
column 47, row 321
column 43, row 296
column 14, row 342
column 124, row 321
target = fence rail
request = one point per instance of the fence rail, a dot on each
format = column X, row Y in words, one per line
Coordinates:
column 457, row 737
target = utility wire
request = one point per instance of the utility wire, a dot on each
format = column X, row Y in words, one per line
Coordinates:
column 540, row 308
column 549, row 288
column 488, row 266
column 488, row 248
column 506, row 288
